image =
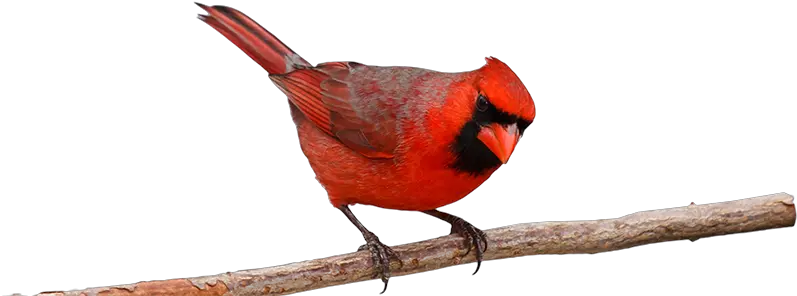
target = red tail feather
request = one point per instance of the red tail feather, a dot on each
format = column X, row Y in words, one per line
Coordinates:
column 263, row 47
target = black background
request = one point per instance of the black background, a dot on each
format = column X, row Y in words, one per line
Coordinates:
column 179, row 159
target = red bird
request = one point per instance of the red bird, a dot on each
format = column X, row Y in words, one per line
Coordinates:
column 393, row 137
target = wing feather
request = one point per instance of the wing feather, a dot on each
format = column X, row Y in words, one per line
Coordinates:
column 324, row 95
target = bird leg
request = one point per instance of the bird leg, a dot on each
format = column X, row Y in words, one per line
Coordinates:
column 380, row 253
column 473, row 236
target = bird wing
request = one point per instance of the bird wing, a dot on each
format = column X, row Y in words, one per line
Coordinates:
column 325, row 96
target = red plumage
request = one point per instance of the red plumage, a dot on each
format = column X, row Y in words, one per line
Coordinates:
column 394, row 137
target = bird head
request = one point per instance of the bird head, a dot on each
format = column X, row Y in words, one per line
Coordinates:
column 494, row 109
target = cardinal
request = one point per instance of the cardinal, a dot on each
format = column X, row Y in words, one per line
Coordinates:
column 398, row 138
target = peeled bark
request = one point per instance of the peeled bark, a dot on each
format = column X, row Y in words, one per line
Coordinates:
column 576, row 237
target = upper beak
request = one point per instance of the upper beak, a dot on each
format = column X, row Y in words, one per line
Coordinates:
column 501, row 140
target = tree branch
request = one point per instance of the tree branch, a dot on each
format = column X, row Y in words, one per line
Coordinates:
column 577, row 237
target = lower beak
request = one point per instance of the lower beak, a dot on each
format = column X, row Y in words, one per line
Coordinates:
column 501, row 140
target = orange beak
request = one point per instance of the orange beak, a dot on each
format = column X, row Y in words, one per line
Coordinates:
column 501, row 140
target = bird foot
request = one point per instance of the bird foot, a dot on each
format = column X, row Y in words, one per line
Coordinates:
column 381, row 255
column 473, row 237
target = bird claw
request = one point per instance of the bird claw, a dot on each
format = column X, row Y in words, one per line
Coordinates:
column 473, row 236
column 381, row 255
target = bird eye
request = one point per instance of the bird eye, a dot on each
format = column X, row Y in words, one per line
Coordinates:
column 482, row 104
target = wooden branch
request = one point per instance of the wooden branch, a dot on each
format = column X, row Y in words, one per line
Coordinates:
column 577, row 237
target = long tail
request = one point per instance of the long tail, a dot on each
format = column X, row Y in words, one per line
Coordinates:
column 253, row 39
